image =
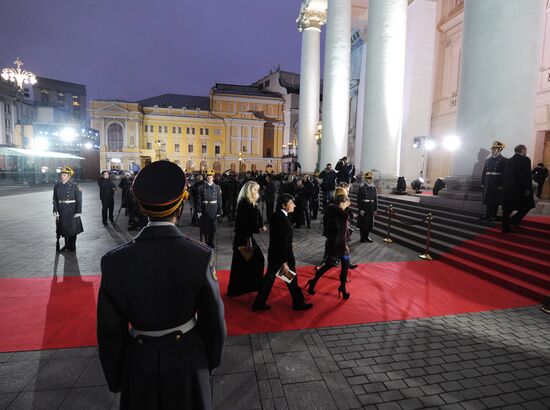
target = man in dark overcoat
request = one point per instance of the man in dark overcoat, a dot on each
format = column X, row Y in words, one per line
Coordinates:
column 210, row 202
column 67, row 208
column 328, row 184
column 367, row 203
column 280, row 255
column 540, row 173
column 269, row 196
column 345, row 171
column 160, row 319
column 491, row 180
column 107, row 196
column 517, row 189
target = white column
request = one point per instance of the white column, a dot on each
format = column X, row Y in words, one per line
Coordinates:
column 500, row 57
column 360, row 105
column 309, row 23
column 385, row 72
column 334, row 144
column 418, row 91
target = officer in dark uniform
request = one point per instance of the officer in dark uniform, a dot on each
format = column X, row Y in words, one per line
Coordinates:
column 210, row 202
column 367, row 202
column 163, row 287
column 67, row 208
column 194, row 193
column 491, row 180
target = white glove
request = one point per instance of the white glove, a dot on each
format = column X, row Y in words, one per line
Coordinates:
column 56, row 214
column 361, row 213
column 199, row 214
column 77, row 215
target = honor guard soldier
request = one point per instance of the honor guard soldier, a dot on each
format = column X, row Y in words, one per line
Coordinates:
column 492, row 179
column 67, row 207
column 160, row 319
column 367, row 202
column 210, row 202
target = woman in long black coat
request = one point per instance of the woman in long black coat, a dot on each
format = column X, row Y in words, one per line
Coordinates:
column 246, row 276
column 337, row 233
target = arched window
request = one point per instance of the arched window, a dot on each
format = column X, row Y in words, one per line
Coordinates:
column 115, row 137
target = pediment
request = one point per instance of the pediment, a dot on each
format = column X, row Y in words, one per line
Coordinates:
column 114, row 107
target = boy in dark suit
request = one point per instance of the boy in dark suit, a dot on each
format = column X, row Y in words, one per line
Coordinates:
column 280, row 254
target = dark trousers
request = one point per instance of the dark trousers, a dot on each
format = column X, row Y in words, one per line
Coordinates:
column 314, row 207
column 344, row 265
column 515, row 220
column 210, row 239
column 70, row 242
column 491, row 210
column 267, row 283
column 327, row 198
column 107, row 206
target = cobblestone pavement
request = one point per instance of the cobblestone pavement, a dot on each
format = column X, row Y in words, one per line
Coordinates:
column 495, row 359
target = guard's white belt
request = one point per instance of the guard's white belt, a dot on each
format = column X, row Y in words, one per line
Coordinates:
column 209, row 202
column 186, row 327
column 368, row 200
column 492, row 173
column 68, row 201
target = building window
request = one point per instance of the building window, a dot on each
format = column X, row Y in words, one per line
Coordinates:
column 202, row 131
column 61, row 98
column 149, row 145
column 193, row 130
column 245, row 149
column 217, row 150
column 190, row 148
column 177, row 147
column 132, row 141
column 179, row 130
column 115, row 137
column 173, row 130
column 206, row 132
column 166, row 129
column 44, row 96
column 76, row 101
column 160, row 128
column 203, row 149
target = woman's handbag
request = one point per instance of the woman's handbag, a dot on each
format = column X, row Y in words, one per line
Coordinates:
column 247, row 251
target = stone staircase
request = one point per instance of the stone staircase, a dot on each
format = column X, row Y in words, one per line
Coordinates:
column 519, row 261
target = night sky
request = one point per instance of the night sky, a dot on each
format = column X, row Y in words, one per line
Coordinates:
column 134, row 49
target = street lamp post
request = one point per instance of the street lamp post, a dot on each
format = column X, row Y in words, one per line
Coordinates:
column 318, row 137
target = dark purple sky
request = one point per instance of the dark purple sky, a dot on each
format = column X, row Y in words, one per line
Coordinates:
column 133, row 49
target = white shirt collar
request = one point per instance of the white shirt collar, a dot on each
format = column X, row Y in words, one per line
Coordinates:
column 284, row 212
column 159, row 223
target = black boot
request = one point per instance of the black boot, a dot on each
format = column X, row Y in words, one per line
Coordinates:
column 342, row 291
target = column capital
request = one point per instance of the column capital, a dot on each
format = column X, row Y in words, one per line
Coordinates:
column 311, row 18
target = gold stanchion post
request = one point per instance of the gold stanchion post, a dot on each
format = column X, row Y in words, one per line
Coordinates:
column 427, row 255
column 388, row 239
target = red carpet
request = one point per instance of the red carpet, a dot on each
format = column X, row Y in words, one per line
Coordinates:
column 41, row 313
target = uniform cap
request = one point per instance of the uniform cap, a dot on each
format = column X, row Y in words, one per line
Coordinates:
column 368, row 174
column 498, row 144
column 210, row 172
column 67, row 170
column 159, row 188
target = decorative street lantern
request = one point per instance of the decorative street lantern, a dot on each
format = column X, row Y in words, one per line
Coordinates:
column 17, row 75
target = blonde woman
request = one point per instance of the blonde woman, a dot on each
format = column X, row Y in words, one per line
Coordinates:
column 246, row 274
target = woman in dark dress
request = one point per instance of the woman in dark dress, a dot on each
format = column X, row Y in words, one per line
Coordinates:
column 337, row 245
column 246, row 275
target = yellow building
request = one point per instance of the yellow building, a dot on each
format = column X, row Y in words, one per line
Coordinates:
column 236, row 127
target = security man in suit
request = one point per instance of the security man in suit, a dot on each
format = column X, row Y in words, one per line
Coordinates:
column 210, row 202
column 280, row 255
column 160, row 318
column 67, row 208
column 367, row 202
column 492, row 179
column 107, row 196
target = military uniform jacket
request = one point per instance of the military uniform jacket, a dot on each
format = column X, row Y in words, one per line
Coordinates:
column 367, row 201
column 67, row 201
column 159, row 281
column 492, row 178
column 210, row 204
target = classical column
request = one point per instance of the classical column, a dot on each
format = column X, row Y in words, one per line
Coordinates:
column 309, row 23
column 385, row 73
column 500, row 59
column 334, row 143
